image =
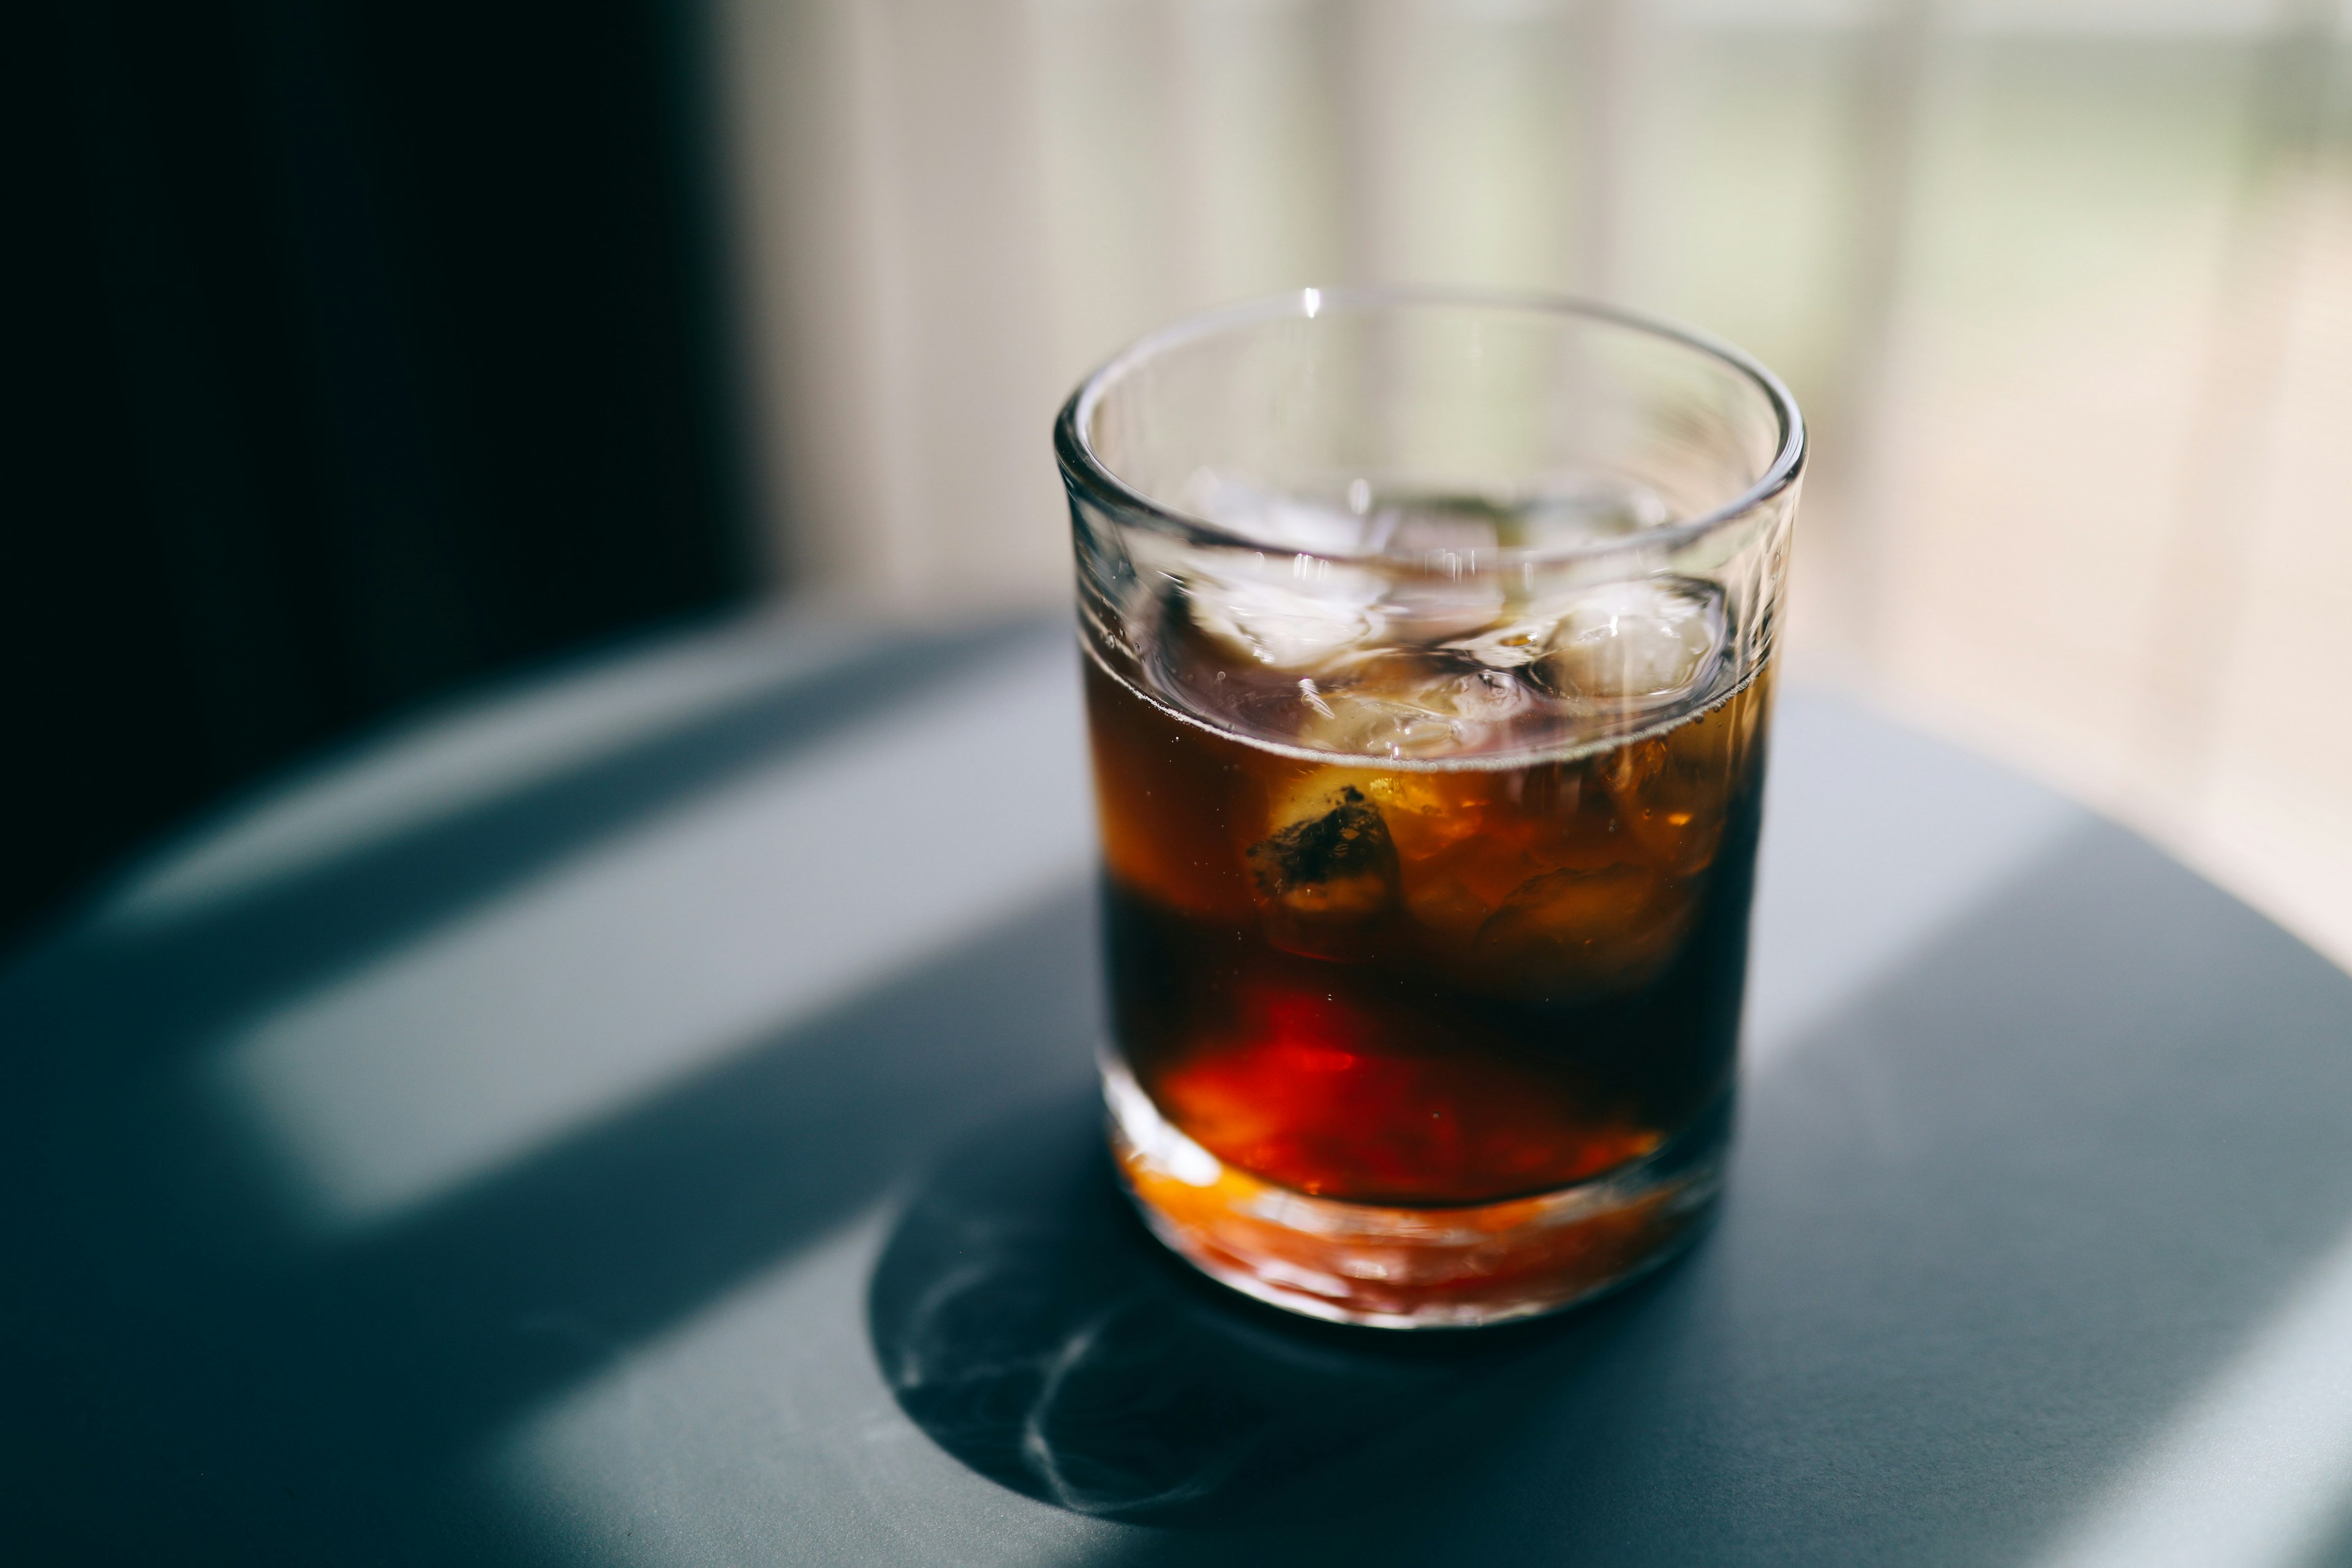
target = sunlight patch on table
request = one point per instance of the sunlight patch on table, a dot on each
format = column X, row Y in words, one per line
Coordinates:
column 656, row 954
column 1889, row 839
column 2256, row 1470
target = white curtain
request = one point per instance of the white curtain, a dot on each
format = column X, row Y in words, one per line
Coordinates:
column 2065, row 287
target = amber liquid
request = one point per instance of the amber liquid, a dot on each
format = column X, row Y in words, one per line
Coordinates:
column 1425, row 984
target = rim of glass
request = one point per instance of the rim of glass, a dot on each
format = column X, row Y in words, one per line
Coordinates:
column 1085, row 470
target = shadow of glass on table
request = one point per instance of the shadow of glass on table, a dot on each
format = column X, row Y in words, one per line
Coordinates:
column 2004, row 1236
column 1025, row 1318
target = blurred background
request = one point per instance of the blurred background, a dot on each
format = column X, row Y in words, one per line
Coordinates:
column 361, row 352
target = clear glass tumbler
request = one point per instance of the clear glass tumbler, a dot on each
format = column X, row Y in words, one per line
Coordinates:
column 1429, row 643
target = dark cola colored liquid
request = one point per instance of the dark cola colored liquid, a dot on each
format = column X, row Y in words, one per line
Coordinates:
column 1432, row 986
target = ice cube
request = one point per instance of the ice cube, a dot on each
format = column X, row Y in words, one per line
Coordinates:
column 1487, row 835
column 1428, row 811
column 1325, row 882
column 1637, row 645
column 1423, row 611
column 1448, row 911
column 1573, row 934
column 1513, row 647
column 1289, row 613
column 1402, row 704
column 1442, row 596
column 1672, row 793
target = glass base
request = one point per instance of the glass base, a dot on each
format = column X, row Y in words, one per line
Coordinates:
column 1405, row 1267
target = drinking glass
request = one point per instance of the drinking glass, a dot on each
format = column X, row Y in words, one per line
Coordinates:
column 1428, row 657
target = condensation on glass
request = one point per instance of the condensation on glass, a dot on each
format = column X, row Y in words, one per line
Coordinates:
column 1429, row 660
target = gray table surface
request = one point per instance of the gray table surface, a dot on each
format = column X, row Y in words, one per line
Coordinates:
column 644, row 1117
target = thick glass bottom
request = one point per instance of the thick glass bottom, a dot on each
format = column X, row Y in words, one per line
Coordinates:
column 1412, row 1267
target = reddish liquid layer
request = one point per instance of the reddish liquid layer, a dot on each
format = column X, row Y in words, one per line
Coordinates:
column 1322, row 1096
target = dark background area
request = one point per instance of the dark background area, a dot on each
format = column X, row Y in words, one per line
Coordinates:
column 348, row 353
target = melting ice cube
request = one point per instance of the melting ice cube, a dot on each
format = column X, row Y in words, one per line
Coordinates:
column 1444, row 597
column 1579, row 930
column 1408, row 705
column 1640, row 644
column 1282, row 606
column 1322, row 882
column 1285, row 612
column 1508, row 647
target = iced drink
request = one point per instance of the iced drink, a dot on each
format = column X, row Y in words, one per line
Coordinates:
column 1429, row 645
column 1443, row 915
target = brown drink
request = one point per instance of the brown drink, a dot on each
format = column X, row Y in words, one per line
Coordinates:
column 1430, row 642
column 1426, row 956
